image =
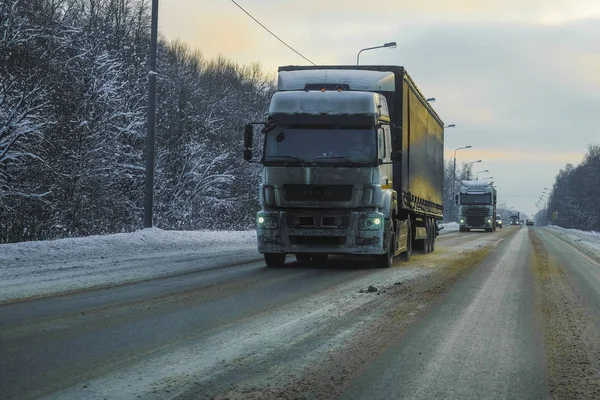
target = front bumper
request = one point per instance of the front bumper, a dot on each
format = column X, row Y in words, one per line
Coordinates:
column 346, row 238
column 464, row 223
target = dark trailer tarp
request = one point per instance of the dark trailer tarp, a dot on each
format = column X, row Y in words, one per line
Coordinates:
column 419, row 130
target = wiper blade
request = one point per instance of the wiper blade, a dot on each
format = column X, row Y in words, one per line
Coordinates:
column 348, row 160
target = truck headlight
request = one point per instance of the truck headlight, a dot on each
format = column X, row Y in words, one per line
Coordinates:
column 267, row 222
column 371, row 223
column 489, row 221
column 462, row 221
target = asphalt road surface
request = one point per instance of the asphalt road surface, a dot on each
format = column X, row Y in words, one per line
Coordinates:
column 509, row 314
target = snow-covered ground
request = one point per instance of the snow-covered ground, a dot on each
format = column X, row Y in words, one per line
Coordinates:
column 31, row 269
column 448, row 227
column 589, row 241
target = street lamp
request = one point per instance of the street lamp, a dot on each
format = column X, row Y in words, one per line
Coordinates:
column 487, row 177
column 471, row 163
column 480, row 172
column 430, row 99
column 454, row 173
column 390, row 45
column 450, row 126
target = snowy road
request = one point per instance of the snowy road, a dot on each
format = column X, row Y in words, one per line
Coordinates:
column 510, row 314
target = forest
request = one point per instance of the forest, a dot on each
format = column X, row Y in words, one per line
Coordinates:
column 574, row 201
column 73, row 94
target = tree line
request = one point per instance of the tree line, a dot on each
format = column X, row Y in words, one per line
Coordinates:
column 73, row 95
column 574, row 201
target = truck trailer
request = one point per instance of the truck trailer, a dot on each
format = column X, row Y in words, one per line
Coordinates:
column 352, row 164
column 477, row 206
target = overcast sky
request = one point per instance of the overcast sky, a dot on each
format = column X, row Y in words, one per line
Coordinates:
column 519, row 78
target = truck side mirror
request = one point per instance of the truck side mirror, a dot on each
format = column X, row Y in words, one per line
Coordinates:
column 248, row 137
column 456, row 199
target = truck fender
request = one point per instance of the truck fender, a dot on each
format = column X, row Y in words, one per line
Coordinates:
column 390, row 203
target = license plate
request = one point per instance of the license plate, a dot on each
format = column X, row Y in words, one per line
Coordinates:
column 316, row 232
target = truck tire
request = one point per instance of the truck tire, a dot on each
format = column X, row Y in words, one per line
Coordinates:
column 433, row 235
column 274, row 259
column 409, row 242
column 423, row 244
column 386, row 260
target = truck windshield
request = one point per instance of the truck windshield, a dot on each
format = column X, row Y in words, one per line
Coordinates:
column 345, row 146
column 471, row 199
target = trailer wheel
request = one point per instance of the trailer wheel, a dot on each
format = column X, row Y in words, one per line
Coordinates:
column 274, row 259
column 406, row 255
column 433, row 235
column 423, row 244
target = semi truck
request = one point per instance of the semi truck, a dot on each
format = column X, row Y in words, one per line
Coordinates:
column 477, row 206
column 515, row 218
column 352, row 165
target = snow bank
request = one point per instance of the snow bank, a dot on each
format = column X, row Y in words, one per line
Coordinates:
column 40, row 268
column 449, row 227
column 588, row 240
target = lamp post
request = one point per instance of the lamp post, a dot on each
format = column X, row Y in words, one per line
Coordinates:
column 389, row 45
column 454, row 169
column 469, row 164
column 480, row 172
column 487, row 177
column 149, row 192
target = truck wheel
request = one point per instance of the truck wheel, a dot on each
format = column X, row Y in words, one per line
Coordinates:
column 303, row 257
column 406, row 255
column 386, row 260
column 423, row 244
column 433, row 235
column 274, row 259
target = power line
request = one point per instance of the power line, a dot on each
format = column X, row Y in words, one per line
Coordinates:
column 267, row 29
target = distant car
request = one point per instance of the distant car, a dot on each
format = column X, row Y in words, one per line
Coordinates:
column 529, row 222
column 499, row 223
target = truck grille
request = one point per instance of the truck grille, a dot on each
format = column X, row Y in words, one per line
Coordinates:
column 335, row 221
column 475, row 221
column 476, row 212
column 317, row 192
column 318, row 240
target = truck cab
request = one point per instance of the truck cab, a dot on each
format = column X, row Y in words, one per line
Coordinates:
column 477, row 206
column 326, row 177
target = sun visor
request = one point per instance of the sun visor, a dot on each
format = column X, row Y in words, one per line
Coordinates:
column 379, row 81
column 325, row 103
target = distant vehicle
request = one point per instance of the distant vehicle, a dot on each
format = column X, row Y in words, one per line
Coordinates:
column 476, row 206
column 353, row 164
column 499, row 223
column 529, row 222
column 514, row 218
